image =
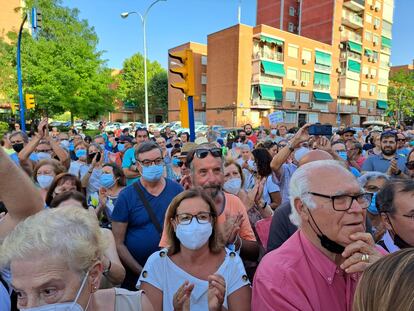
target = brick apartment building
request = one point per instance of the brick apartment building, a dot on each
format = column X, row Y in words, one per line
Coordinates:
column 318, row 61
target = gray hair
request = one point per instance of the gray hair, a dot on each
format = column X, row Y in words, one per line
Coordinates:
column 22, row 134
column 245, row 147
column 202, row 146
column 71, row 234
column 299, row 184
column 145, row 147
column 362, row 180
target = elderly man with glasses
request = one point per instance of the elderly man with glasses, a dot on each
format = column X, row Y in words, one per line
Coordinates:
column 138, row 216
column 319, row 266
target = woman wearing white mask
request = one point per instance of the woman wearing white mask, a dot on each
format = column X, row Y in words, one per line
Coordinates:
column 196, row 272
column 55, row 258
column 44, row 173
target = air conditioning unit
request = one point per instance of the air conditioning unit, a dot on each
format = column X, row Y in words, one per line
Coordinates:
column 341, row 28
column 295, row 82
column 377, row 9
column 293, row 103
column 375, row 43
column 338, row 70
column 372, row 7
column 374, row 60
column 372, row 76
column 341, row 46
column 304, row 83
column 304, row 61
column 371, row 93
column 375, row 26
column 370, row 59
column 367, row 76
column 311, row 105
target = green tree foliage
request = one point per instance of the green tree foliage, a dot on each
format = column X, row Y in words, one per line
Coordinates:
column 401, row 96
column 131, row 84
column 61, row 64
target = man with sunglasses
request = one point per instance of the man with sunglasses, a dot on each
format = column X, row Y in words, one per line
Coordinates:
column 318, row 267
column 395, row 204
column 402, row 150
column 136, row 232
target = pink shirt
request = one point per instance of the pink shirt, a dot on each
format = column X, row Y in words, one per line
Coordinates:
column 298, row 276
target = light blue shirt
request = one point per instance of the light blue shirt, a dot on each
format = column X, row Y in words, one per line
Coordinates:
column 127, row 161
column 377, row 163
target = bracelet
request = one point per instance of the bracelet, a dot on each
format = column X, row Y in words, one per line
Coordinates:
column 106, row 271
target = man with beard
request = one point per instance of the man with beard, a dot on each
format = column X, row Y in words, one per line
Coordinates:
column 394, row 202
column 249, row 133
column 388, row 161
column 207, row 172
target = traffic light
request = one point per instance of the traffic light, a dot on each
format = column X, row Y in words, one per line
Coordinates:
column 186, row 71
column 36, row 18
column 185, row 123
column 30, row 101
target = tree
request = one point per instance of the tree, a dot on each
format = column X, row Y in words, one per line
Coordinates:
column 61, row 64
column 401, row 96
column 131, row 84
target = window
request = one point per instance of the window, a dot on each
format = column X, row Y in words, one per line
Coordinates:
column 291, row 11
column 372, row 88
column 386, row 29
column 377, row 22
column 291, row 27
column 203, row 98
column 290, row 117
column 290, row 96
column 364, row 87
column 374, row 72
column 363, row 104
column 387, row 12
column 378, row 5
column 203, row 60
column 293, row 51
column 375, row 39
column 368, row 18
column 305, row 76
column 365, row 70
column 368, row 36
column 304, row 97
column 313, row 118
column 369, row 2
column 203, row 79
column 306, row 55
column 292, row 74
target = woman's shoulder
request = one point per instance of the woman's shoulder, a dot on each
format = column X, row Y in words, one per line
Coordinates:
column 158, row 257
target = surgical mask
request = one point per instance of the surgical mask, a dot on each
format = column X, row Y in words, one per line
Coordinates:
column 121, row 147
column 44, row 181
column 194, row 235
column 80, row 153
column 64, row 306
column 273, row 132
column 372, row 209
column 232, row 185
column 397, row 239
column 107, row 180
column 153, row 172
column 43, row 156
column 343, row 155
column 65, row 144
column 18, row 147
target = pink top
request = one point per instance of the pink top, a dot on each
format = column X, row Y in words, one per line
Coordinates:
column 298, row 276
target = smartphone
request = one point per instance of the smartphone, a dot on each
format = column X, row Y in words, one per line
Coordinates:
column 320, row 130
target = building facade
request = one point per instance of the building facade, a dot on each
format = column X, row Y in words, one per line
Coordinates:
column 319, row 61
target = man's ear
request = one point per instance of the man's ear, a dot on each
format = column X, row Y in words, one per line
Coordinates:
column 301, row 209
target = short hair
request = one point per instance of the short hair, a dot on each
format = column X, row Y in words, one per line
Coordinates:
column 65, row 196
column 118, row 173
column 140, row 129
column 215, row 240
column 387, row 284
column 229, row 162
column 299, row 184
column 174, row 151
column 72, row 235
column 186, row 134
column 385, row 197
column 22, row 134
column 247, row 124
column 388, row 134
column 363, row 179
column 190, row 156
column 145, row 147
column 58, row 167
column 61, row 179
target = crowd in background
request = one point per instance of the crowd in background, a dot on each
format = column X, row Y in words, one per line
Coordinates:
column 267, row 219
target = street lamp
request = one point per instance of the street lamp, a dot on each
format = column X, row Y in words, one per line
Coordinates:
column 143, row 22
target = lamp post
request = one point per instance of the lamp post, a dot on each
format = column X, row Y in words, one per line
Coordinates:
column 144, row 22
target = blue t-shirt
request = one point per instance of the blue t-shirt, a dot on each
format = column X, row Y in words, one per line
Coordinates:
column 142, row 238
column 127, row 161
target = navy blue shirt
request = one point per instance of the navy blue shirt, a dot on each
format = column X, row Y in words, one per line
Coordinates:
column 142, row 238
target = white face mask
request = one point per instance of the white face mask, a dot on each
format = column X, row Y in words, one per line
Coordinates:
column 44, row 181
column 194, row 235
column 232, row 185
column 64, row 306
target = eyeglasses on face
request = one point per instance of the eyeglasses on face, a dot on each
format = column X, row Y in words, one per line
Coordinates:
column 343, row 202
column 157, row 161
column 186, row 219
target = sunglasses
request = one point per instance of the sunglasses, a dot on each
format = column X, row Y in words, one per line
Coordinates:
column 202, row 153
column 410, row 165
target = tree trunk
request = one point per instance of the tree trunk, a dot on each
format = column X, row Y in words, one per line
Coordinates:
column 71, row 118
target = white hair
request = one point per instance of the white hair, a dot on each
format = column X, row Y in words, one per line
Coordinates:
column 245, row 147
column 71, row 234
column 299, row 184
column 362, row 180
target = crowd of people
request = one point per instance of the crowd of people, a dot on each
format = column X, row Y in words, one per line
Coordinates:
column 273, row 219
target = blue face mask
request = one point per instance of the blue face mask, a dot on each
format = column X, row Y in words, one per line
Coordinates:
column 80, row 153
column 43, row 156
column 107, row 180
column 373, row 207
column 152, row 173
column 273, row 132
column 44, row 181
column 343, row 155
column 175, row 161
column 121, row 147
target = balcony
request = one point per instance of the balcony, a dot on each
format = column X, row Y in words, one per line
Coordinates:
column 343, row 108
column 355, row 5
column 320, row 107
column 385, row 49
column 323, row 68
column 321, row 87
column 352, row 20
column 348, row 87
column 349, row 54
column 261, row 54
column 350, row 35
column 259, row 103
column 260, row 78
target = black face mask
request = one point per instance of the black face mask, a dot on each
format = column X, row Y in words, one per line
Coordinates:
column 326, row 242
column 397, row 239
column 18, row 147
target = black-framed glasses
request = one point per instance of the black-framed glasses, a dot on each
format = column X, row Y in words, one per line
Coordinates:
column 410, row 165
column 157, row 161
column 343, row 202
column 186, row 219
